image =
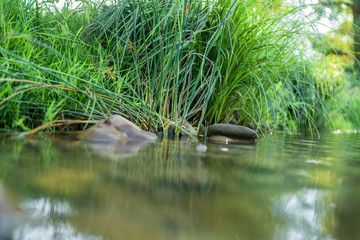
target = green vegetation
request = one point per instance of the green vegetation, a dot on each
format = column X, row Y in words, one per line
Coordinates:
column 151, row 61
column 340, row 47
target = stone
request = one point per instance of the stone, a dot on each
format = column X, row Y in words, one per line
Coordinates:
column 231, row 131
column 116, row 128
column 186, row 128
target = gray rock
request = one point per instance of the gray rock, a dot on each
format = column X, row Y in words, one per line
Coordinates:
column 185, row 130
column 116, row 128
column 189, row 128
column 231, row 131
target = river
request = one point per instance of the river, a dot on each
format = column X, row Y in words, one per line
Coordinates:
column 284, row 187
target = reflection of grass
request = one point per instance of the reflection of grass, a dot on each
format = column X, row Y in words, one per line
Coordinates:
column 172, row 164
column 65, row 182
column 151, row 61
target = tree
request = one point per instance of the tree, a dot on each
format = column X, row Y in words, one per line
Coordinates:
column 341, row 10
column 356, row 27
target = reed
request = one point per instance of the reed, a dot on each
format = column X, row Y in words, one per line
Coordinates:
column 151, row 61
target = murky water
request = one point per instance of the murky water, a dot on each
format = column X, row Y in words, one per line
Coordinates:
column 285, row 187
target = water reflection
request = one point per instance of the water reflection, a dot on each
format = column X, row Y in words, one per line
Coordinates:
column 118, row 150
column 306, row 214
column 46, row 208
column 40, row 224
column 281, row 188
column 10, row 216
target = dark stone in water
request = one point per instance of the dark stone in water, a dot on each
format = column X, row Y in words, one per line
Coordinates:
column 231, row 131
column 116, row 128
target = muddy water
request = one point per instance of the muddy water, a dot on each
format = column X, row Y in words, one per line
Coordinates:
column 284, row 187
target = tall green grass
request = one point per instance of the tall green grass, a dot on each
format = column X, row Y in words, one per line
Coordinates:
column 151, row 61
column 267, row 77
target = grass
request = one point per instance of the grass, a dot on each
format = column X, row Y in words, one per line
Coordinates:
column 152, row 61
column 266, row 78
column 343, row 101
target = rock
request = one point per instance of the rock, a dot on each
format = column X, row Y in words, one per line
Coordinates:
column 231, row 131
column 186, row 128
column 189, row 128
column 116, row 128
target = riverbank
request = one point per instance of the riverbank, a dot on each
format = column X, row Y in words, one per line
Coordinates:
column 154, row 62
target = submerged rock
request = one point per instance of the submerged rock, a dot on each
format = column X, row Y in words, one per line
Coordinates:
column 231, row 131
column 116, row 128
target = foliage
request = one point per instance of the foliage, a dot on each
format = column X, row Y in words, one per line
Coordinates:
column 267, row 76
column 152, row 61
column 337, row 72
column 342, row 99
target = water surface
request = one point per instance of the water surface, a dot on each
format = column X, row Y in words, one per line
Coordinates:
column 284, row 187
